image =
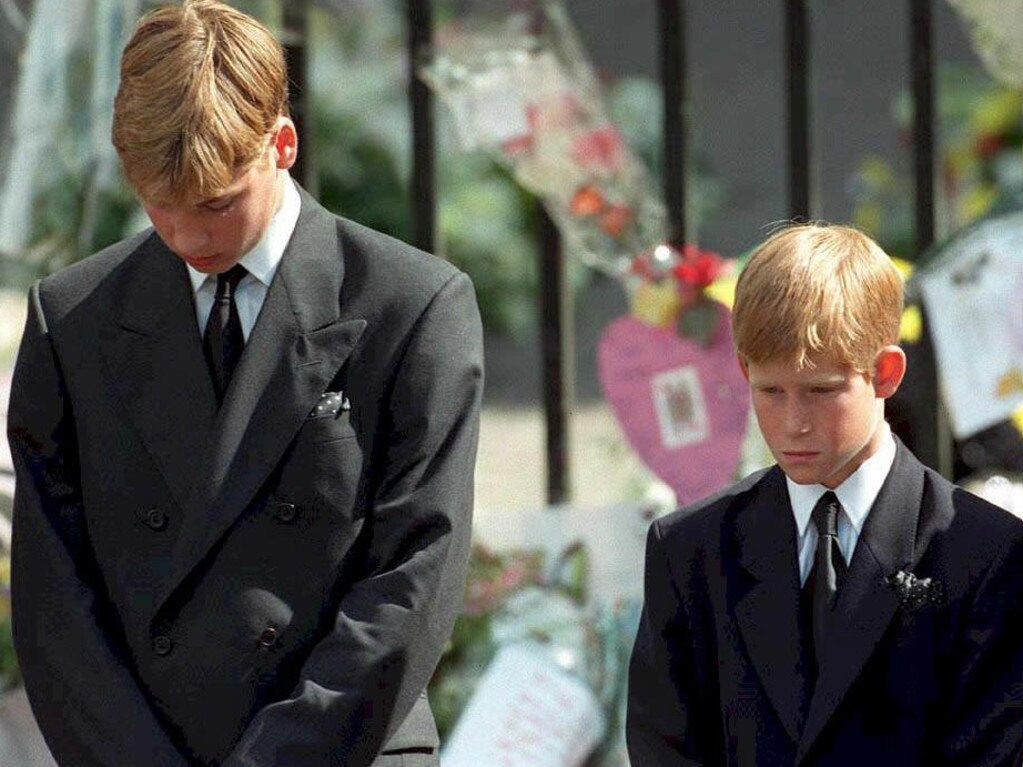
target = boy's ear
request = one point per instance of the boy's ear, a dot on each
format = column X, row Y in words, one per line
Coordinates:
column 285, row 143
column 743, row 367
column 889, row 369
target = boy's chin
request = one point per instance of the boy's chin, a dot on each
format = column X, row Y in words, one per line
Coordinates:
column 803, row 478
column 803, row 474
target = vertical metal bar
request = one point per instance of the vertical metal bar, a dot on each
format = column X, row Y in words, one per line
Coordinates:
column 557, row 349
column 295, row 39
column 934, row 444
column 923, row 120
column 556, row 338
column 673, row 85
column 797, row 41
column 423, row 186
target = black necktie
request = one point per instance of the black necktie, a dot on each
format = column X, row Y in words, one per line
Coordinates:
column 828, row 567
column 223, row 341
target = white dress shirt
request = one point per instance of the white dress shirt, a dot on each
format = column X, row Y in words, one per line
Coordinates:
column 261, row 263
column 857, row 494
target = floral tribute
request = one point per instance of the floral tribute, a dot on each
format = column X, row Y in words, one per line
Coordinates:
column 520, row 598
column 669, row 289
column 526, row 93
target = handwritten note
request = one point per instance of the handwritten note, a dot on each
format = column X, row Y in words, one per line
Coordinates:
column 976, row 320
column 526, row 712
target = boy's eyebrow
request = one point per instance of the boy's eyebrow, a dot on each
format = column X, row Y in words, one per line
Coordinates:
column 236, row 188
column 219, row 198
column 829, row 380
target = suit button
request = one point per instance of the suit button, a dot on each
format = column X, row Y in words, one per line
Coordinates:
column 156, row 518
column 162, row 645
column 286, row 513
column 269, row 637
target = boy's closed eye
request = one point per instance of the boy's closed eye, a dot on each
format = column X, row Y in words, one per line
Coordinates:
column 220, row 205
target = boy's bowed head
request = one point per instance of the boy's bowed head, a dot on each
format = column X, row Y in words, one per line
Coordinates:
column 203, row 129
column 816, row 323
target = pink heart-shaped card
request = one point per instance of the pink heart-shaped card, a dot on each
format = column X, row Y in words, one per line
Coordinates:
column 683, row 407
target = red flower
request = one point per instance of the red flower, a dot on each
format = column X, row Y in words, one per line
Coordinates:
column 554, row 113
column 615, row 219
column 600, row 149
column 519, row 145
column 698, row 268
column 641, row 266
column 533, row 114
column 587, row 201
column 990, row 145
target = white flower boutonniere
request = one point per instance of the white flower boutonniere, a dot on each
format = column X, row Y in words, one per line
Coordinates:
column 916, row 593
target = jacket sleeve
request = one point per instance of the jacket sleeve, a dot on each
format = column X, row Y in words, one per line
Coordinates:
column 79, row 681
column 360, row 682
column 662, row 718
column 985, row 713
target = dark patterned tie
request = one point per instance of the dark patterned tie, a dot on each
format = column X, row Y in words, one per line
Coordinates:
column 223, row 341
column 828, row 567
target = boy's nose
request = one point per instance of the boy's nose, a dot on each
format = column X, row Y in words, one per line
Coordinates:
column 189, row 239
column 797, row 420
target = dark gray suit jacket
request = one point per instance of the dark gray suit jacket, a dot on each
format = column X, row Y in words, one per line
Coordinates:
column 717, row 670
column 258, row 585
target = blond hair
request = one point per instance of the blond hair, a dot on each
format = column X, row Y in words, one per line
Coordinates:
column 202, row 86
column 817, row 290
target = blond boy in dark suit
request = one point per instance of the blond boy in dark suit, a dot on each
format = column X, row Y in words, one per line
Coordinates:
column 244, row 442
column 847, row 606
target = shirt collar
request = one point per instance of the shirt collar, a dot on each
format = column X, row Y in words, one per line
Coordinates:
column 264, row 258
column 856, row 494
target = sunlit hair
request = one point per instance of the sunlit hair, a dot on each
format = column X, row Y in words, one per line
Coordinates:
column 202, row 86
column 817, row 290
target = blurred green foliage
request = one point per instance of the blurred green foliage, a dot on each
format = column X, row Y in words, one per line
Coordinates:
column 9, row 674
column 74, row 217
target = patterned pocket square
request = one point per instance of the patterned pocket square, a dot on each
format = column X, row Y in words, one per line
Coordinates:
column 916, row 593
column 331, row 403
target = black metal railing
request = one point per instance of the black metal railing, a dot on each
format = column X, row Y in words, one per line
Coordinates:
column 673, row 85
column 797, row 49
column 929, row 435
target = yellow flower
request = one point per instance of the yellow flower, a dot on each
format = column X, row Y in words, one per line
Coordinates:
column 911, row 327
column 977, row 202
column 876, row 172
column 723, row 290
column 905, row 267
column 998, row 113
column 1017, row 418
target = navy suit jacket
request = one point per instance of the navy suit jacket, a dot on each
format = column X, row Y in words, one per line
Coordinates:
column 257, row 585
column 717, row 671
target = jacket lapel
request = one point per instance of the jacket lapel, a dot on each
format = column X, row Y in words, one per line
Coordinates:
column 297, row 346
column 768, row 611
column 866, row 603
column 153, row 354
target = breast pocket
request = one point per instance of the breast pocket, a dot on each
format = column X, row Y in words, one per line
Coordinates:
column 323, row 470
column 328, row 428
